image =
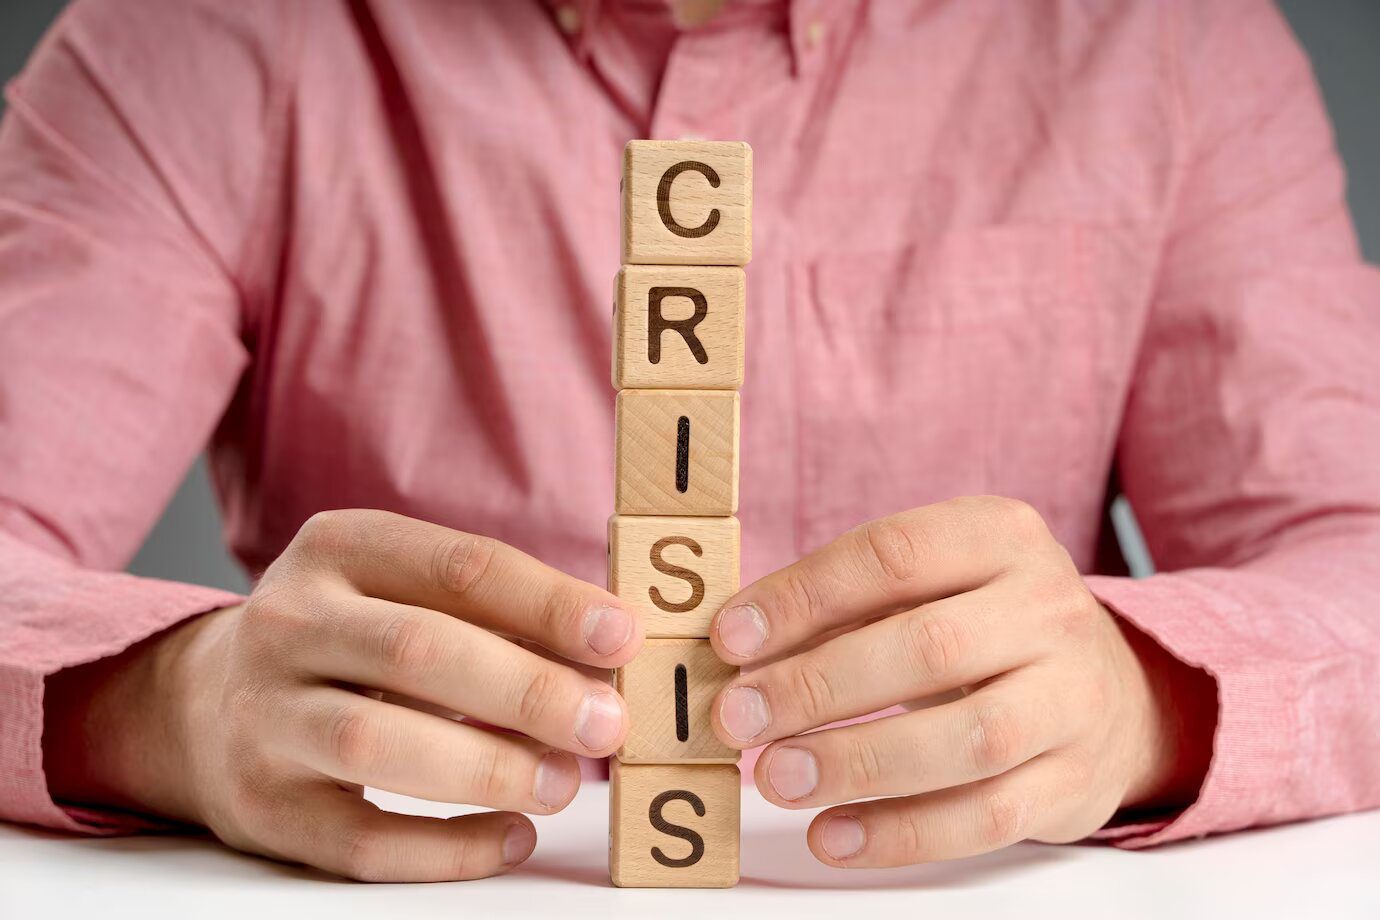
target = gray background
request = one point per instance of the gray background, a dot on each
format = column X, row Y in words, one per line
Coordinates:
column 1342, row 36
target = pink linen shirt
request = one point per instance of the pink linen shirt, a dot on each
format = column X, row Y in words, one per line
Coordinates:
column 363, row 250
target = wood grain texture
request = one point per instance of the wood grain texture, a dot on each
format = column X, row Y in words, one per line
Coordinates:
column 676, row 452
column 678, row 326
column 658, row 707
column 678, row 570
column 695, row 847
column 687, row 203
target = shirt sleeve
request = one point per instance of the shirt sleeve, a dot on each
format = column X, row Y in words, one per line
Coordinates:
column 1250, row 448
column 132, row 162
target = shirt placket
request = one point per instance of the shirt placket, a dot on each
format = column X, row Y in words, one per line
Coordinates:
column 695, row 101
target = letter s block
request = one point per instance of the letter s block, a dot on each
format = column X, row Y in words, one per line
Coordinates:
column 687, row 203
column 678, row 570
column 673, row 826
column 679, row 327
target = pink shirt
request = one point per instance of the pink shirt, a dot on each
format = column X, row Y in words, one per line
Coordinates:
column 365, row 251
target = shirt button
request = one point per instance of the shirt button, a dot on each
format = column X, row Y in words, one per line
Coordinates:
column 568, row 18
column 814, row 34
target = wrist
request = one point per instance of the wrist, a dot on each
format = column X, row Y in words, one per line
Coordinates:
column 118, row 731
column 1180, row 718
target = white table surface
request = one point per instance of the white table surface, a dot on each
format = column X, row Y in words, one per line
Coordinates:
column 1327, row 869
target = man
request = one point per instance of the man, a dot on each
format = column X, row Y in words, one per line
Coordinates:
column 1000, row 249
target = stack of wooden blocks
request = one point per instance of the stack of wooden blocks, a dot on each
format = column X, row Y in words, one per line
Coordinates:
column 673, row 541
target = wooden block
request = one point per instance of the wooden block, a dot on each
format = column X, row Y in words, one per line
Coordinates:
column 687, row 203
column 673, row 826
column 677, row 452
column 678, row 570
column 669, row 688
column 679, row 326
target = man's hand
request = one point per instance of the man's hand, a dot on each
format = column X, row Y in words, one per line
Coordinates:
column 262, row 722
column 1061, row 715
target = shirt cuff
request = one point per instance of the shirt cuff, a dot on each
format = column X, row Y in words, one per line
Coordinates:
column 1255, row 731
column 56, row 619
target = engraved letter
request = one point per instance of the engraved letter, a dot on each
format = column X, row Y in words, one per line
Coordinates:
column 675, row 830
column 675, row 571
column 663, row 199
column 657, row 323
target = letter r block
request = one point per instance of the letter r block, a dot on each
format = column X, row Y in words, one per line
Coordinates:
column 673, row 826
column 678, row 570
column 679, row 327
column 687, row 203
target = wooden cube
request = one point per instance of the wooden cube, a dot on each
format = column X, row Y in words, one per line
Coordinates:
column 669, row 688
column 679, row 327
column 673, row 826
column 687, row 203
column 676, row 452
column 678, row 570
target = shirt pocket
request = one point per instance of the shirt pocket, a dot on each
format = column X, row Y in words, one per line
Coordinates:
column 962, row 365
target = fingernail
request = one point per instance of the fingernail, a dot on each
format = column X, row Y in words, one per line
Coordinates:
column 557, row 780
column 744, row 713
column 599, row 720
column 842, row 837
column 607, row 629
column 518, row 843
column 793, row 773
column 742, row 630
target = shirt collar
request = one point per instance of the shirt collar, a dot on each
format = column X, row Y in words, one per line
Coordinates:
column 812, row 24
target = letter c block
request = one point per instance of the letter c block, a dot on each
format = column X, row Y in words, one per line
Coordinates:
column 687, row 203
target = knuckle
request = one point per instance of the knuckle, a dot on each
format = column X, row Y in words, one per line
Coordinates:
column 1020, row 518
column 909, row 837
column 934, row 643
column 864, row 766
column 802, row 596
column 354, row 740
column 407, row 645
column 559, row 610
column 326, row 530
column 996, row 740
column 461, row 561
column 490, row 774
column 811, row 687
column 538, row 695
column 1003, row 819
column 364, row 856
column 893, row 545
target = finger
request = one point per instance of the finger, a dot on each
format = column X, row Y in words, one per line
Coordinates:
column 945, row 644
column 995, row 729
column 340, row 832
column 477, row 579
column 949, row 824
column 885, row 565
column 358, row 740
column 459, row 666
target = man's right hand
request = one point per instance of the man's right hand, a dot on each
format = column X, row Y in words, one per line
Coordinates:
column 270, row 718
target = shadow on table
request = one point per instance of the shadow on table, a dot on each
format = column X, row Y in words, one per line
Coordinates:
column 780, row 859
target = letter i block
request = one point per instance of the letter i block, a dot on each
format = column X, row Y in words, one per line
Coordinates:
column 678, row 570
column 687, row 203
column 677, row 452
column 679, row 327
column 669, row 688
column 673, row 826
